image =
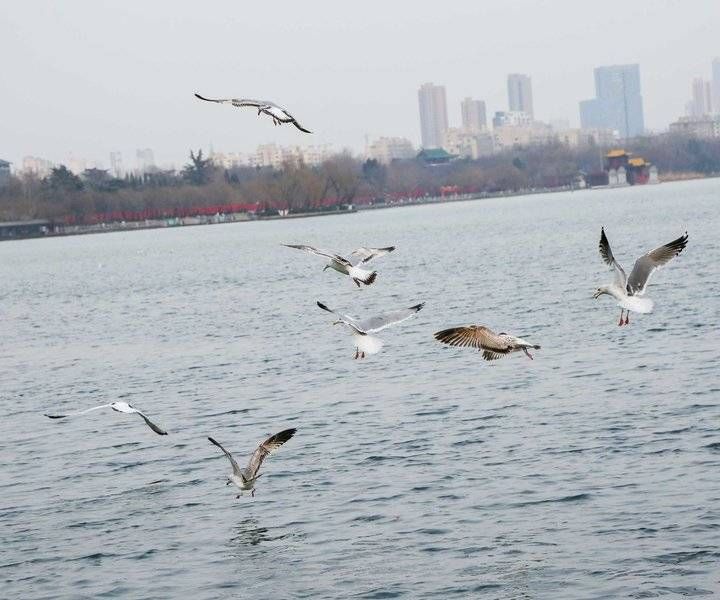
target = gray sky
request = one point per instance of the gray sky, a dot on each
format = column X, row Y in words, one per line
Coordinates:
column 87, row 77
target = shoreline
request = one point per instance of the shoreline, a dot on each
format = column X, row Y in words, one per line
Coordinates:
column 71, row 230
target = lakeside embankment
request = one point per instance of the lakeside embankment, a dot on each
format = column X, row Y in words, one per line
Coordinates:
column 45, row 228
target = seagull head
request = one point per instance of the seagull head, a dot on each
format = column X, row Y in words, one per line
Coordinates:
column 600, row 291
column 326, row 267
column 337, row 322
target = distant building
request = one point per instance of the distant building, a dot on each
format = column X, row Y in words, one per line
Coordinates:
column 511, row 118
column 433, row 114
column 707, row 126
column 145, row 160
column 116, row 164
column 624, row 168
column 701, row 103
column 468, row 143
column 520, row 97
column 4, row 172
column 474, row 116
column 37, row 166
column 435, row 156
column 716, row 84
column 388, row 149
column 76, row 165
column 559, row 124
column 618, row 101
column 586, row 137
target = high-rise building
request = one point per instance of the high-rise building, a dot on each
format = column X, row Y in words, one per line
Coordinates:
column 520, row 93
column 388, row 149
column 716, row 85
column 116, row 166
column 474, row 116
column 145, row 160
column 617, row 103
column 433, row 115
column 701, row 103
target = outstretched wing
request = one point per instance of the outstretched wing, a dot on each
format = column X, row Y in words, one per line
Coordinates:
column 319, row 252
column 343, row 318
column 648, row 263
column 300, row 127
column 150, row 424
column 239, row 102
column 270, row 444
column 82, row 412
column 380, row 322
column 609, row 259
column 365, row 255
column 476, row 336
column 235, row 467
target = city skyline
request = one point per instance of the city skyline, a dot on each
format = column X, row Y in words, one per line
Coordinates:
column 84, row 99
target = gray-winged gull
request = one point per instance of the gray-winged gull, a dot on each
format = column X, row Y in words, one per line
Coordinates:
column 122, row 407
column 629, row 291
column 245, row 478
column 366, row 344
column 278, row 114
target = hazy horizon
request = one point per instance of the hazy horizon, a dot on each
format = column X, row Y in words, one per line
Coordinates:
column 89, row 78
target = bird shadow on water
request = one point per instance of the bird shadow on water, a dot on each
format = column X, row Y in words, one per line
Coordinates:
column 249, row 533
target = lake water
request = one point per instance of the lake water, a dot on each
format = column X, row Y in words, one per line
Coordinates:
column 423, row 471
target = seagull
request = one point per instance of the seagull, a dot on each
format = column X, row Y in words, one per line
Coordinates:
column 349, row 266
column 122, row 407
column 494, row 345
column 245, row 478
column 278, row 114
column 628, row 291
column 365, row 343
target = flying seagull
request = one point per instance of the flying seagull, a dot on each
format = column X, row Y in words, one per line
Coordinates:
column 348, row 266
column 629, row 291
column 245, row 478
column 278, row 114
column 493, row 345
column 122, row 407
column 361, row 330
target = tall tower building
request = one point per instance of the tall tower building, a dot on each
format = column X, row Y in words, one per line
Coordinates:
column 618, row 101
column 716, row 85
column 116, row 166
column 145, row 159
column 701, row 103
column 474, row 116
column 433, row 115
column 520, row 93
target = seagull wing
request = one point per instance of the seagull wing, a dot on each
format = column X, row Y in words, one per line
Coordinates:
column 381, row 322
column 365, row 255
column 235, row 467
column 476, row 336
column 609, row 259
column 648, row 263
column 346, row 319
column 319, row 252
column 82, row 412
column 150, row 424
column 270, row 444
column 238, row 102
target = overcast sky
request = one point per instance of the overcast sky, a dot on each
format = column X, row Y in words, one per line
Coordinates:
column 83, row 78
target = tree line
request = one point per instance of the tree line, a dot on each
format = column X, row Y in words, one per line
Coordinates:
column 341, row 179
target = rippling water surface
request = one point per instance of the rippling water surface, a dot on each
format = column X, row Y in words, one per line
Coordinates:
column 422, row 472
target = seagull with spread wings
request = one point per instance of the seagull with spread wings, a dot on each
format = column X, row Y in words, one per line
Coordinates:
column 629, row 290
column 493, row 345
column 278, row 114
column 349, row 266
column 122, row 407
column 245, row 478
column 366, row 344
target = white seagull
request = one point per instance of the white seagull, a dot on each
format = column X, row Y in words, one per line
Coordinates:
column 122, row 407
column 493, row 345
column 361, row 330
column 245, row 478
column 277, row 113
column 349, row 266
column 628, row 291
